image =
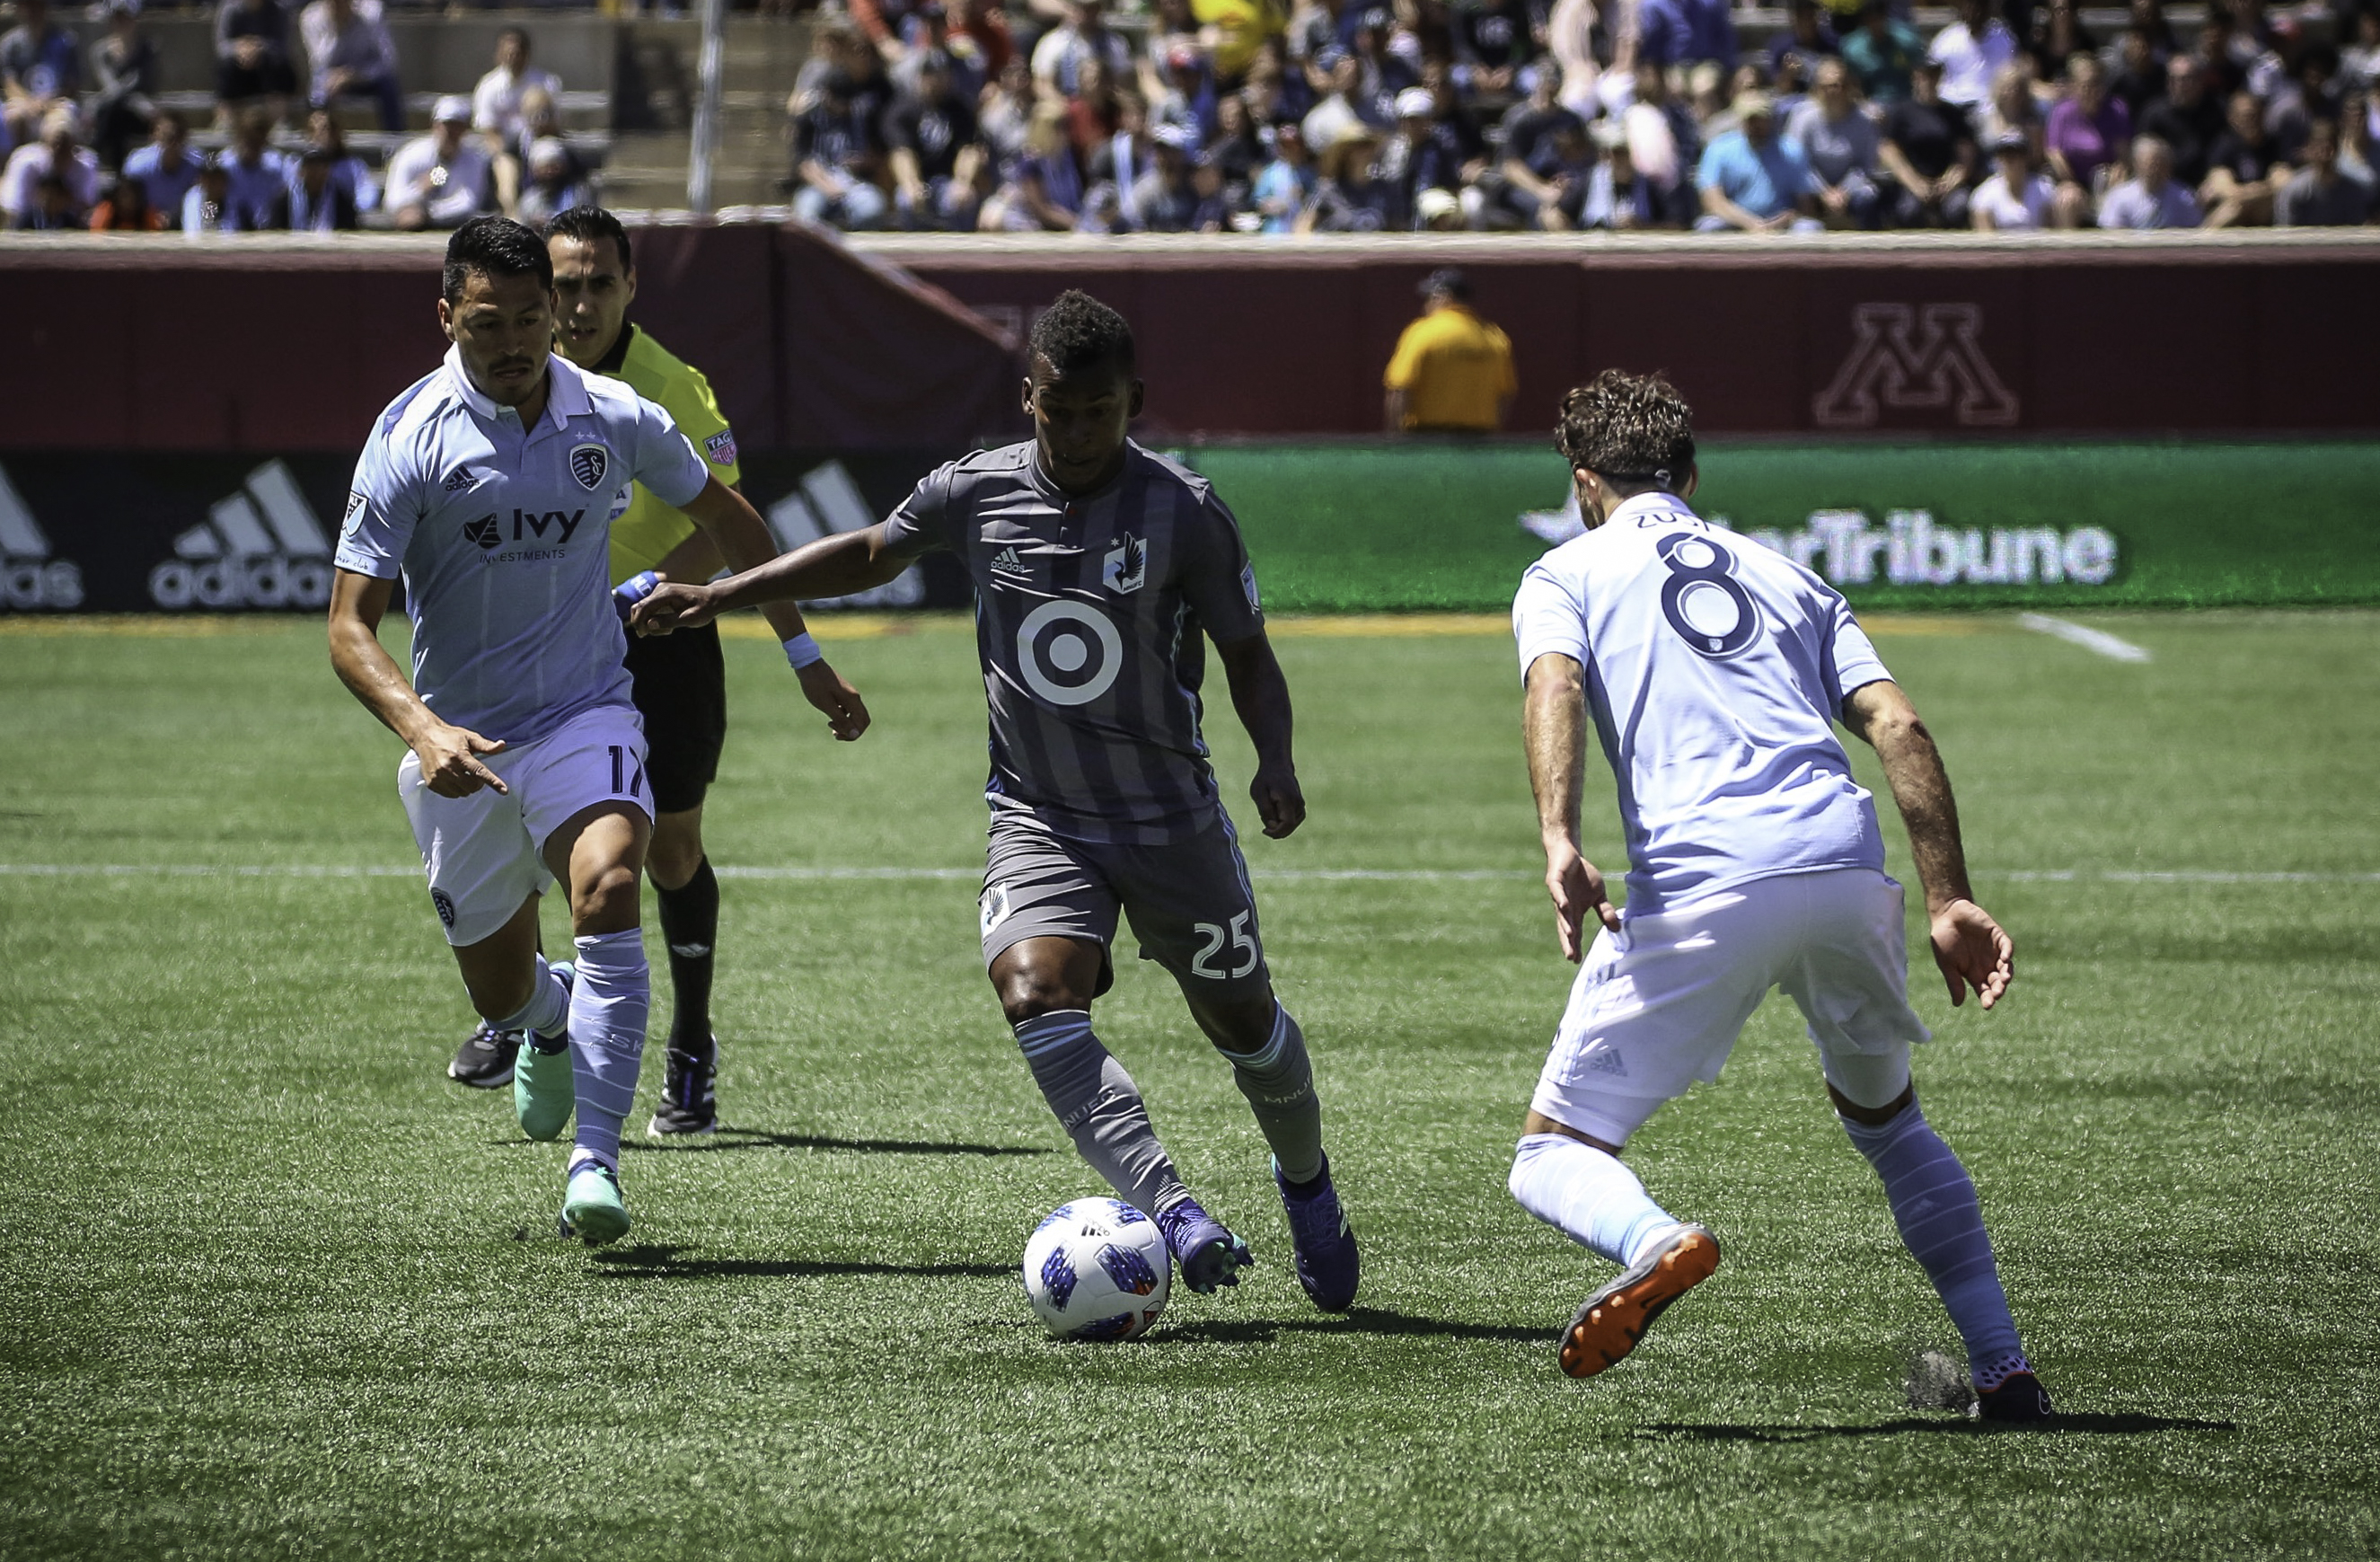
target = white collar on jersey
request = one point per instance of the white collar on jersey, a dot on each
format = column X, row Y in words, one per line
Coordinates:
column 1640, row 505
column 566, row 396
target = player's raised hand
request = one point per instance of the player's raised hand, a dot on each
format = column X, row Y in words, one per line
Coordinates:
column 450, row 763
column 1576, row 886
column 845, row 711
column 1974, row 952
column 674, row 605
column 1281, row 803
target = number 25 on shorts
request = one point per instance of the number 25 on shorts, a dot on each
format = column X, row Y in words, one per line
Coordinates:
column 1213, row 937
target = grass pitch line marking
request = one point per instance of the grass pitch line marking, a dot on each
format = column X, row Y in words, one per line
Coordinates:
column 2083, row 635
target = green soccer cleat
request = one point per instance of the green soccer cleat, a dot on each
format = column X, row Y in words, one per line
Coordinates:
column 594, row 1209
column 543, row 1090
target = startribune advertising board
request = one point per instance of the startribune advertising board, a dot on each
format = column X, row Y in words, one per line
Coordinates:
column 1412, row 526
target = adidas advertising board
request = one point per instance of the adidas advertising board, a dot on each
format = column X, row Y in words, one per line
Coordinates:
column 246, row 533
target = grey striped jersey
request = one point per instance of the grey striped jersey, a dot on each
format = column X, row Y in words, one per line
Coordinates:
column 1088, row 613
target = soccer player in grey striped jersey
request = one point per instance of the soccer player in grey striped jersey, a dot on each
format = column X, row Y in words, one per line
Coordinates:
column 1100, row 570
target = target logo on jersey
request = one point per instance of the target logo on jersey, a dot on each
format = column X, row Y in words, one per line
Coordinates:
column 1068, row 653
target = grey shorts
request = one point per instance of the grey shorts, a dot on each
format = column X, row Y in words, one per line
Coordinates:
column 1190, row 904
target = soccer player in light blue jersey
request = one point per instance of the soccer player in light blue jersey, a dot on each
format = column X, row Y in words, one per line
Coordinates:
column 491, row 485
column 1713, row 672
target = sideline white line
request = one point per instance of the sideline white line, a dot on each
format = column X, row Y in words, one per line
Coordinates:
column 2085, row 636
column 1283, row 875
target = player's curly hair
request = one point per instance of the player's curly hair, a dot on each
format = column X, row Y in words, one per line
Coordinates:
column 494, row 247
column 1078, row 332
column 1631, row 428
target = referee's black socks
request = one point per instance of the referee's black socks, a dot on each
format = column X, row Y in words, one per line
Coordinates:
column 690, row 925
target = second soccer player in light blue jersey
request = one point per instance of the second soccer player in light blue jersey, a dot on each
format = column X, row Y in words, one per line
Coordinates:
column 491, row 485
column 1714, row 672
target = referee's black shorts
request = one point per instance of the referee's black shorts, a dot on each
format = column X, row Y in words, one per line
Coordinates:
column 681, row 688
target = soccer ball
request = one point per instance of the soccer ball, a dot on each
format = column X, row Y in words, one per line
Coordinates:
column 1097, row 1269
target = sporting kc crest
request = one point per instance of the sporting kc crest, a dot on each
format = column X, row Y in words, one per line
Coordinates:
column 588, row 463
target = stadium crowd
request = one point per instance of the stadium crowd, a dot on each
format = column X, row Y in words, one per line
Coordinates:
column 1280, row 116
column 89, row 145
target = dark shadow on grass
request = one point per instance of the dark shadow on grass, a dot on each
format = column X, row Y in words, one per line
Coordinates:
column 2086, row 1423
column 759, row 1138
column 655, row 1262
column 1360, row 1321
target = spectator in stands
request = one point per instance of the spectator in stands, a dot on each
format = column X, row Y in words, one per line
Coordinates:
column 2218, row 66
column 2147, row 17
column 314, row 200
column 2358, row 62
column 1084, row 35
column 496, row 100
column 2152, row 197
column 258, row 174
column 1214, row 214
column 1381, row 74
column 1883, row 55
column 1006, row 111
column 2140, row 77
column 836, row 158
column 1348, row 197
column 251, row 58
column 1664, row 144
column 1285, row 184
column 2312, row 93
column 167, row 168
column 2359, row 158
column 2013, row 111
column 1042, row 189
column 975, row 34
column 1930, row 152
column 2243, row 169
column 2186, row 119
column 124, row 208
column 1752, row 181
column 929, row 134
column 1453, row 372
column 556, row 182
column 1807, row 38
column 1124, row 155
column 443, row 180
column 2320, row 195
column 1492, row 41
column 58, row 157
column 1972, row 51
column 1564, row 165
column 1163, row 199
column 1093, row 111
column 1671, row 33
column 123, row 67
column 206, row 208
column 1528, row 126
column 1841, row 146
column 2087, row 135
column 39, row 70
column 348, row 171
column 2059, row 37
column 2017, row 197
column 1618, row 197
column 349, row 54
column 1455, row 153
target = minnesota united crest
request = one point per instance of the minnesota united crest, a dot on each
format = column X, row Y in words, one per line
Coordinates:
column 1126, row 567
column 587, row 464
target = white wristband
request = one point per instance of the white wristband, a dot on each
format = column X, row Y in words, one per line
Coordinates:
column 802, row 651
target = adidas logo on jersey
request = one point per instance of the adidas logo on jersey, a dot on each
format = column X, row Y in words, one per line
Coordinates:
column 28, row 575
column 460, row 478
column 1605, row 1059
column 1005, row 562
column 260, row 547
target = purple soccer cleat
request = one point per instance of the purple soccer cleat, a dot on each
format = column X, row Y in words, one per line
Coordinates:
column 1210, row 1255
column 1327, row 1265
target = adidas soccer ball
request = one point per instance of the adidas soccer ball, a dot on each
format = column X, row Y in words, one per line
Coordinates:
column 1097, row 1269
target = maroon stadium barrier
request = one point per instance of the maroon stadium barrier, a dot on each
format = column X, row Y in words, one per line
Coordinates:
column 287, row 345
column 2083, row 335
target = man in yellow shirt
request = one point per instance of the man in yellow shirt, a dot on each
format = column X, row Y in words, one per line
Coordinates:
column 1453, row 372
column 680, row 686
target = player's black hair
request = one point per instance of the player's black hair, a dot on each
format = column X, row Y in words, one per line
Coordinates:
column 587, row 224
column 1079, row 333
column 1630, row 430
column 494, row 247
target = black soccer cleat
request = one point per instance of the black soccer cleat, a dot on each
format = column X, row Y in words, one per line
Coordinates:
column 484, row 1061
column 687, row 1105
column 2019, row 1398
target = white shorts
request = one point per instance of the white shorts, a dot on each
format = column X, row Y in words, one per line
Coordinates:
column 1659, row 1004
column 484, row 854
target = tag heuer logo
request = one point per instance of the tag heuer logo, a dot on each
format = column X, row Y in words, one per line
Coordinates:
column 1005, row 562
column 721, row 447
column 588, row 463
column 459, row 479
column 1126, row 567
column 483, row 532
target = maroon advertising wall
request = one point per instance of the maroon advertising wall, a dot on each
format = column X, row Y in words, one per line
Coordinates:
column 291, row 347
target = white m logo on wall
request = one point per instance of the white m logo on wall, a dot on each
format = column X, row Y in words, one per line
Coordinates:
column 1915, row 358
column 830, row 502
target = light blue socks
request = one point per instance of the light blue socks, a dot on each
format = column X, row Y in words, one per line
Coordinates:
column 1586, row 1195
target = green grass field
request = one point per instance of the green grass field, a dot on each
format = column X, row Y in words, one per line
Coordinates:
column 274, row 1287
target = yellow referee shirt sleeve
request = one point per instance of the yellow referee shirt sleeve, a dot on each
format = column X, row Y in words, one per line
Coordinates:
column 696, row 410
column 1407, row 364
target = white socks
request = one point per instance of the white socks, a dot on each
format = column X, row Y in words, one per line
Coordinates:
column 548, row 1007
column 608, row 1005
column 1586, row 1195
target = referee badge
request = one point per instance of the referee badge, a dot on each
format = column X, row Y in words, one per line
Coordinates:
column 587, row 464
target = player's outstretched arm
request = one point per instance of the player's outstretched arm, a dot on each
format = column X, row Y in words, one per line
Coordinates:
column 1260, row 695
column 1553, row 725
column 731, row 522
column 449, row 755
column 836, row 566
column 1974, row 952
